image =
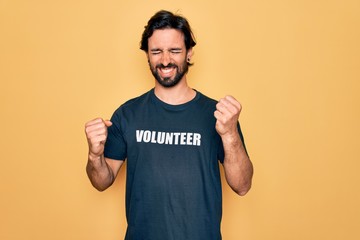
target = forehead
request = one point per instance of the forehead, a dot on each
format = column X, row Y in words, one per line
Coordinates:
column 166, row 38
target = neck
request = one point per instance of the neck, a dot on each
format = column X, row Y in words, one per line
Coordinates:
column 179, row 94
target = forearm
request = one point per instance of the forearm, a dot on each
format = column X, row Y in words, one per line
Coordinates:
column 99, row 172
column 237, row 165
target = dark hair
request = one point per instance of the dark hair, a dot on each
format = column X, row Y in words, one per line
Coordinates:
column 165, row 19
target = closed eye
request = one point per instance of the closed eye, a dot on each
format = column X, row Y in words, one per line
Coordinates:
column 172, row 51
column 154, row 52
column 175, row 51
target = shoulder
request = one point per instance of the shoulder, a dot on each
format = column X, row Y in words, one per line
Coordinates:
column 206, row 101
column 206, row 98
column 134, row 103
column 137, row 100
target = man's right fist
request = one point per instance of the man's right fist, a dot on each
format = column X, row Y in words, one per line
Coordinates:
column 96, row 134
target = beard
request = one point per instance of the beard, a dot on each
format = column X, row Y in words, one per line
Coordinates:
column 168, row 81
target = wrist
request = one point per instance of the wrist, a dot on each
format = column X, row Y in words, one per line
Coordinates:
column 230, row 135
column 231, row 138
column 94, row 157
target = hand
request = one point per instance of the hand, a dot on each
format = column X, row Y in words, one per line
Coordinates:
column 227, row 114
column 96, row 134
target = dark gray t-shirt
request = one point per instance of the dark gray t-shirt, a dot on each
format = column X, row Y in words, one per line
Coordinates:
column 173, row 188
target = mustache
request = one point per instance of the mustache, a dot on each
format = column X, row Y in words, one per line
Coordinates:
column 167, row 66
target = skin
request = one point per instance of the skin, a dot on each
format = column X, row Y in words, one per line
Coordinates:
column 237, row 165
column 167, row 47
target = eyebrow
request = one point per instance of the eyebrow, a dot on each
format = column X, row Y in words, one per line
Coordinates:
column 176, row 49
column 171, row 49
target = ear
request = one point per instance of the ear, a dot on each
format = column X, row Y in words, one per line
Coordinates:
column 189, row 54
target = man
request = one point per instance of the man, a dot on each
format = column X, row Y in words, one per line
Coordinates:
column 172, row 138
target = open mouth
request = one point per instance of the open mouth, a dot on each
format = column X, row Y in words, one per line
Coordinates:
column 167, row 71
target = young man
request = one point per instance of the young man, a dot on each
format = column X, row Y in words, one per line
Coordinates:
column 172, row 138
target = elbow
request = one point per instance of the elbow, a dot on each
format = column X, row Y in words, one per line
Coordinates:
column 100, row 184
column 243, row 189
column 243, row 192
column 97, row 186
column 100, row 189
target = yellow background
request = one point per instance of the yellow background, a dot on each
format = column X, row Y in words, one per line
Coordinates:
column 294, row 66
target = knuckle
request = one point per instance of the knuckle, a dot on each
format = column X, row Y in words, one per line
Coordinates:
column 88, row 131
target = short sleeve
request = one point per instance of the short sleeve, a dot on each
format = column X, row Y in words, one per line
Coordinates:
column 115, row 145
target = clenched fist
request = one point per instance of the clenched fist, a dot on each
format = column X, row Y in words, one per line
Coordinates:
column 96, row 133
column 227, row 114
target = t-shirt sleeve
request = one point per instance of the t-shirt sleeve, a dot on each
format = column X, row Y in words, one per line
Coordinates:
column 221, row 153
column 115, row 145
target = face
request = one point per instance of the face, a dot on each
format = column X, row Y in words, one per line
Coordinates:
column 168, row 56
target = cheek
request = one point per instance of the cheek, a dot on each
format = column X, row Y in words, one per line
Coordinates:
column 153, row 62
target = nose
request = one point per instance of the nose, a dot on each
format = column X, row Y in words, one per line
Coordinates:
column 166, row 59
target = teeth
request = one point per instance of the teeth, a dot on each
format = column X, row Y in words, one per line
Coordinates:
column 166, row 70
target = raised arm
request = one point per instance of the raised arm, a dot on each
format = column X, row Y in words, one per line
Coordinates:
column 100, row 170
column 237, row 165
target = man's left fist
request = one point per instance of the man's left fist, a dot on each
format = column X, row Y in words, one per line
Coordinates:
column 227, row 114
